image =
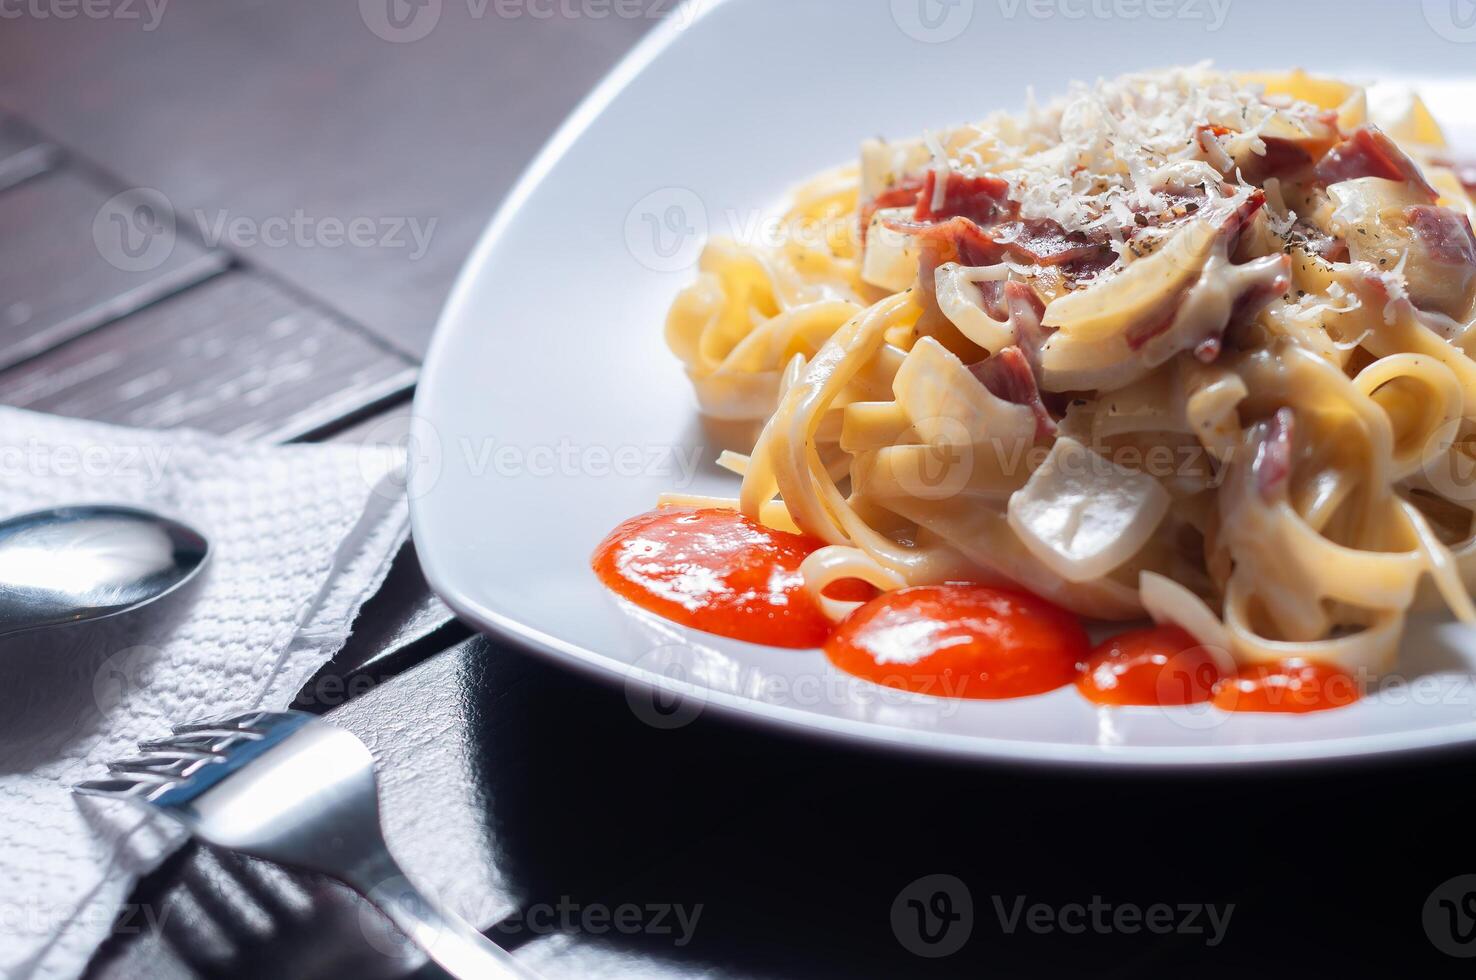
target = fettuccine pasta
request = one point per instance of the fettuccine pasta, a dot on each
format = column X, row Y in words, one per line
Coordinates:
column 1186, row 345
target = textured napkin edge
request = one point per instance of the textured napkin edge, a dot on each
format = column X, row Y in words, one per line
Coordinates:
column 327, row 619
column 320, row 630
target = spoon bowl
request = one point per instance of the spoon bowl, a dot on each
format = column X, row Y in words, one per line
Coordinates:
column 73, row 565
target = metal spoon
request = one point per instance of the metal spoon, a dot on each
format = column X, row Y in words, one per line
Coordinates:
column 76, row 564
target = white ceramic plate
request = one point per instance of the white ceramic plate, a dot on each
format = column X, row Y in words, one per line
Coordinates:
column 550, row 410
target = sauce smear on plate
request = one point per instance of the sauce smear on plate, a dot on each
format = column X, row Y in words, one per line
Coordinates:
column 1294, row 686
column 1162, row 665
column 961, row 641
column 716, row 571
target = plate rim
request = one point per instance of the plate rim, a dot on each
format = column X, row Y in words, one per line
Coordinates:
column 976, row 749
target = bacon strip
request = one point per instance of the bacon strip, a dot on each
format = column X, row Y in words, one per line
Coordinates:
column 982, row 200
column 1282, row 159
column 976, row 224
column 901, row 195
column 1037, row 241
column 1228, row 235
column 1240, row 218
column 955, row 240
column 1045, row 242
column 1140, row 333
column 1015, row 301
column 1445, row 234
column 1273, row 460
column 1008, row 375
column 1369, row 152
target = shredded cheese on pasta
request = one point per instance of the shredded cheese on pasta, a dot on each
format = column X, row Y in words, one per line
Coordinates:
column 1185, row 343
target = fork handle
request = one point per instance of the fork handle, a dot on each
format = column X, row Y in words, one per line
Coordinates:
column 446, row 938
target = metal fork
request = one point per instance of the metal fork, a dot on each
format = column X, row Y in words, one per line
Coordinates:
column 295, row 790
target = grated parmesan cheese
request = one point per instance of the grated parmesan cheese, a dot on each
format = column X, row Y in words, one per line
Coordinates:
column 1097, row 157
column 942, row 166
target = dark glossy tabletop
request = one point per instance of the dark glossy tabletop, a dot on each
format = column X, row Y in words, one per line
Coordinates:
column 534, row 801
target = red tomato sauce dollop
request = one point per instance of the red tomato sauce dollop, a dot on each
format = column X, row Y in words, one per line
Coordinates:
column 722, row 572
column 1159, row 666
column 717, row 571
column 961, row 641
column 1294, row 686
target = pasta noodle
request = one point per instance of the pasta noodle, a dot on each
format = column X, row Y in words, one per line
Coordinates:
column 1182, row 344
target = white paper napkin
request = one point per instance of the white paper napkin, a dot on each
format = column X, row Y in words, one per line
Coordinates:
column 301, row 536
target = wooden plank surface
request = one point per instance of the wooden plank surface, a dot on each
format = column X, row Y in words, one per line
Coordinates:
column 538, row 803
column 276, row 109
column 166, row 108
column 235, row 355
column 75, row 255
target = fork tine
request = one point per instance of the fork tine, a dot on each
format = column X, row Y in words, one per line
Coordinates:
column 166, row 764
column 170, row 772
column 208, row 742
column 202, row 735
column 141, row 763
column 267, row 720
column 159, row 748
column 244, row 721
column 231, row 722
column 143, row 776
column 123, row 787
column 174, row 767
column 105, row 787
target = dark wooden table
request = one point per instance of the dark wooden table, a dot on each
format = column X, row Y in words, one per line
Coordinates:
column 174, row 198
